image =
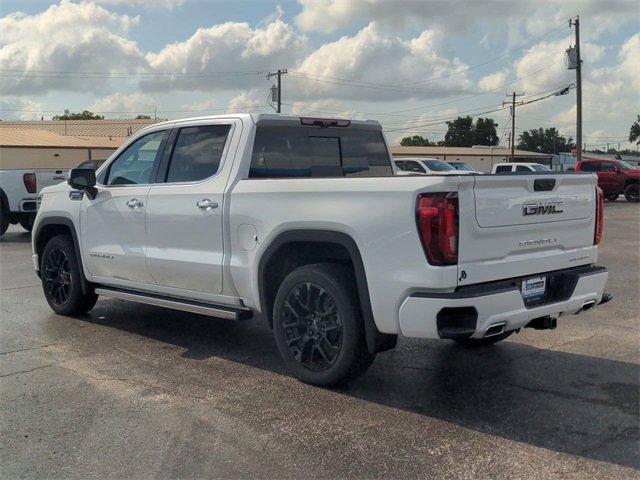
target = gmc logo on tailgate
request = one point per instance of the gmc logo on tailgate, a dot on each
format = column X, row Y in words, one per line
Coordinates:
column 542, row 208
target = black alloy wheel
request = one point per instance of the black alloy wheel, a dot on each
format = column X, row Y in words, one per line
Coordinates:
column 312, row 326
column 62, row 279
column 318, row 325
column 56, row 276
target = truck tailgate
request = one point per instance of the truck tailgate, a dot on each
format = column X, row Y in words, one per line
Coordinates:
column 523, row 224
column 46, row 178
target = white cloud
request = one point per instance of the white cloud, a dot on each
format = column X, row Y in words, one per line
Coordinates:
column 610, row 97
column 124, row 105
column 228, row 47
column 249, row 100
column 461, row 15
column 168, row 4
column 16, row 108
column 67, row 37
column 542, row 66
column 493, row 81
column 385, row 66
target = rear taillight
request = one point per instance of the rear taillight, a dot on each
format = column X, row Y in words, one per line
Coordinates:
column 437, row 217
column 29, row 180
column 597, row 236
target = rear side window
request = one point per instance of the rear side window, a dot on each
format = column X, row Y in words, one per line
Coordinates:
column 438, row 166
column 503, row 168
column 197, row 153
column 286, row 151
column 590, row 167
column 607, row 167
column 522, row 168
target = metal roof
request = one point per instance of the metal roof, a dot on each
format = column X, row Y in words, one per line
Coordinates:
column 82, row 128
column 39, row 138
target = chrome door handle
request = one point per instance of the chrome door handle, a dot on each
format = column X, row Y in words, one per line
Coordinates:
column 206, row 204
column 134, row 203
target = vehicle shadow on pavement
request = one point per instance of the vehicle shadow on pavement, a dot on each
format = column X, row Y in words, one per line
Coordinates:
column 21, row 236
column 564, row 402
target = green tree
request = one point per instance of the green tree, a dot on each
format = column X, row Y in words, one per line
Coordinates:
column 484, row 132
column 143, row 117
column 416, row 141
column 460, row 132
column 634, row 131
column 84, row 115
column 545, row 140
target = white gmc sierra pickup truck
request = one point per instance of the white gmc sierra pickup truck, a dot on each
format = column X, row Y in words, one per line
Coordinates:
column 301, row 221
column 19, row 191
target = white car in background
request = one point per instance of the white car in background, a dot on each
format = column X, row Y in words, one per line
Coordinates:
column 426, row 166
column 519, row 167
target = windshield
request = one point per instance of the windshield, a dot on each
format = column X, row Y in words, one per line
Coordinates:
column 437, row 165
column 540, row 168
column 461, row 166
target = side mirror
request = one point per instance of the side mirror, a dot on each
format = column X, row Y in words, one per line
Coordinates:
column 83, row 179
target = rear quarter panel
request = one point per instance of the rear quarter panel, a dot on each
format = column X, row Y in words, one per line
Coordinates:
column 377, row 213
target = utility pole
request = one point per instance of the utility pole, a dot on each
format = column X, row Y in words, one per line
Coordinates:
column 578, row 68
column 512, row 138
column 278, row 91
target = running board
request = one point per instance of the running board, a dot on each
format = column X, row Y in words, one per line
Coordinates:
column 228, row 313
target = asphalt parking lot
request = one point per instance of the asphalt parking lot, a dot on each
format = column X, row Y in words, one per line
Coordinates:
column 134, row 391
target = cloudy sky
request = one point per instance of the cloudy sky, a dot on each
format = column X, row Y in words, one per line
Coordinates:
column 412, row 65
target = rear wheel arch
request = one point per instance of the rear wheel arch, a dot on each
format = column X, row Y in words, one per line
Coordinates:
column 294, row 248
column 51, row 227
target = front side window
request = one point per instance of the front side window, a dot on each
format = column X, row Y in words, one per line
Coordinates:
column 590, row 167
column 197, row 153
column 134, row 165
column 415, row 167
column 522, row 168
column 292, row 151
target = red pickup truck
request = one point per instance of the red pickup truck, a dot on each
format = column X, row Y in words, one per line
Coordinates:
column 614, row 177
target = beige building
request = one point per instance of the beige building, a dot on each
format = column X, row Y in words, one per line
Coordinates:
column 62, row 143
column 480, row 158
column 38, row 149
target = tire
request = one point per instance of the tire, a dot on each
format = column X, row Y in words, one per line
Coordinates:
column 26, row 221
column 4, row 214
column 631, row 193
column 612, row 197
column 318, row 305
column 484, row 342
column 61, row 282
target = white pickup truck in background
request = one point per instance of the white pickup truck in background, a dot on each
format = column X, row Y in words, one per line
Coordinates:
column 302, row 222
column 19, row 190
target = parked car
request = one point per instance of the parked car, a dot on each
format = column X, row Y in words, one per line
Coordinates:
column 19, row 190
column 465, row 167
column 303, row 223
column 614, row 177
column 519, row 167
column 426, row 166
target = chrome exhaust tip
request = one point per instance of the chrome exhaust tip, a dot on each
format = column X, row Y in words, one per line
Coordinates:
column 495, row 329
column 588, row 305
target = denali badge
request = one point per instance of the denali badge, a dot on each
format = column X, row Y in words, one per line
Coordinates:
column 542, row 208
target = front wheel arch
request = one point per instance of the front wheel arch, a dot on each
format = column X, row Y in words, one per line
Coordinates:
column 50, row 227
